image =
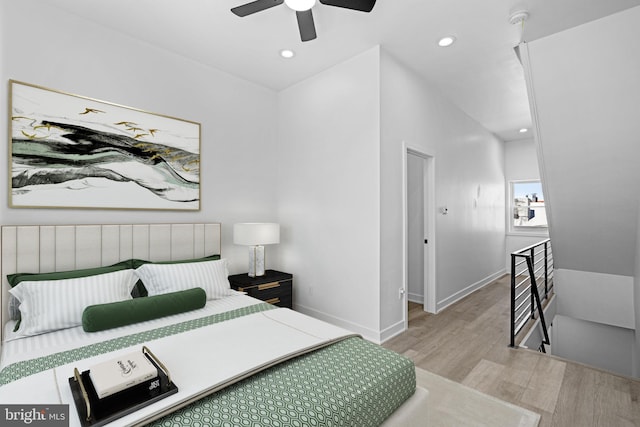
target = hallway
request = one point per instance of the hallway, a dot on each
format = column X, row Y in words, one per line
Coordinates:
column 468, row 343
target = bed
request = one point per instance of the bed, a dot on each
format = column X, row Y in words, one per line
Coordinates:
column 236, row 360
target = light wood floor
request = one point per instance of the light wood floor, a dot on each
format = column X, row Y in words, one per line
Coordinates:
column 468, row 343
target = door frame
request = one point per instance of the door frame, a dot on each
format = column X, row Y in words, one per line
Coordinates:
column 430, row 228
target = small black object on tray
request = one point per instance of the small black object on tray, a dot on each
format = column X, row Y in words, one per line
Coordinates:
column 96, row 412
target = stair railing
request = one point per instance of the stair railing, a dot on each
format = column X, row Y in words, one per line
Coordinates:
column 531, row 276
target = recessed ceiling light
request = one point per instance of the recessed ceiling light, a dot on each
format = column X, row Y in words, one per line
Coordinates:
column 524, row 130
column 287, row 53
column 446, row 41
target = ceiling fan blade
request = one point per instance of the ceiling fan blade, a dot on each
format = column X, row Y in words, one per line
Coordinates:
column 306, row 25
column 360, row 5
column 255, row 6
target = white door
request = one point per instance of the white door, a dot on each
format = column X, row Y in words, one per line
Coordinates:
column 416, row 228
column 419, row 225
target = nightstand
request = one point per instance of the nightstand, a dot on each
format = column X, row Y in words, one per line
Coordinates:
column 275, row 287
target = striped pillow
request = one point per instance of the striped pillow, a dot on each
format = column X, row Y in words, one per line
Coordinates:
column 49, row 305
column 212, row 276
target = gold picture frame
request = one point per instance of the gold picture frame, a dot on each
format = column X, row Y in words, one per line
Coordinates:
column 71, row 151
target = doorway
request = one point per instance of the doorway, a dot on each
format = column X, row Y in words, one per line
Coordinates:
column 419, row 231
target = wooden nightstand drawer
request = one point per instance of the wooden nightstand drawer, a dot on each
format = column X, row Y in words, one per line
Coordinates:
column 270, row 290
column 275, row 287
column 285, row 301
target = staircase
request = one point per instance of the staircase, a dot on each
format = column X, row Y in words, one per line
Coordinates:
column 531, row 293
column 584, row 87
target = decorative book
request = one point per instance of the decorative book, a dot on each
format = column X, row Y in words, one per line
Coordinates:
column 139, row 390
column 122, row 372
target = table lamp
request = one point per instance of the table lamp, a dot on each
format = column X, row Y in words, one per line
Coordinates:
column 256, row 235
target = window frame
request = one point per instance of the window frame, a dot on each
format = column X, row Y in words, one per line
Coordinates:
column 513, row 230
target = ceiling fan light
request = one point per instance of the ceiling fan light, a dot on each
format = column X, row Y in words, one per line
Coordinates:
column 300, row 5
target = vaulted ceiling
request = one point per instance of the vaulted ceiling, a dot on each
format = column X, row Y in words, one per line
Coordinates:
column 480, row 73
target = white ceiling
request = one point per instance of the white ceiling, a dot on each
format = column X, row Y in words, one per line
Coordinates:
column 480, row 72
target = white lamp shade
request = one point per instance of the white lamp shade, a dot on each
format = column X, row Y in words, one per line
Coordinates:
column 256, row 233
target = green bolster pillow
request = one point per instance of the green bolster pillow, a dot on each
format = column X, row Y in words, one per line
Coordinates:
column 106, row 316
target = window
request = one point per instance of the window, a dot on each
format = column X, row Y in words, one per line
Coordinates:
column 527, row 206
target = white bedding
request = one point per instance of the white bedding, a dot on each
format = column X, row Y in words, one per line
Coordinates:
column 216, row 354
column 17, row 348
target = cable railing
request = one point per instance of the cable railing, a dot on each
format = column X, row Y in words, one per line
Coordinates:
column 531, row 282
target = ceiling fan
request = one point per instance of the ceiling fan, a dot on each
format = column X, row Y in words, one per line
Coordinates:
column 303, row 11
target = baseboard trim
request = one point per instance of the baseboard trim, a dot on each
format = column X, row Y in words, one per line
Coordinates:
column 419, row 299
column 441, row 305
column 368, row 334
column 391, row 331
column 380, row 337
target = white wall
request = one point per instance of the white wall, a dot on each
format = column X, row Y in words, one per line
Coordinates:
column 55, row 49
column 520, row 164
column 595, row 319
column 328, row 192
column 469, row 174
column 584, row 87
column 606, row 347
column 596, row 297
column 310, row 157
column 340, row 148
column 521, row 160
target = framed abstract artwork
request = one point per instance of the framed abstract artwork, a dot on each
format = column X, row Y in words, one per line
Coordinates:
column 70, row 151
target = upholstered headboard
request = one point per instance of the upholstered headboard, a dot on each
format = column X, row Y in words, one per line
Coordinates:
column 48, row 248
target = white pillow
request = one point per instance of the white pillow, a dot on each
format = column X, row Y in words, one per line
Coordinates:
column 212, row 276
column 49, row 305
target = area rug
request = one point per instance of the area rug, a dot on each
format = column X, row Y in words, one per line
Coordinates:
column 455, row 405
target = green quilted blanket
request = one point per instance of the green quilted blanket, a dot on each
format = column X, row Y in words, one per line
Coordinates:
column 350, row 383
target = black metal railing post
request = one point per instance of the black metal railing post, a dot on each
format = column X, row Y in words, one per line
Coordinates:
column 513, row 301
column 534, row 292
column 546, row 270
column 532, row 259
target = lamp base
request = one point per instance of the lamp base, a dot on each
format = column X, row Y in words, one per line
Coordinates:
column 256, row 261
